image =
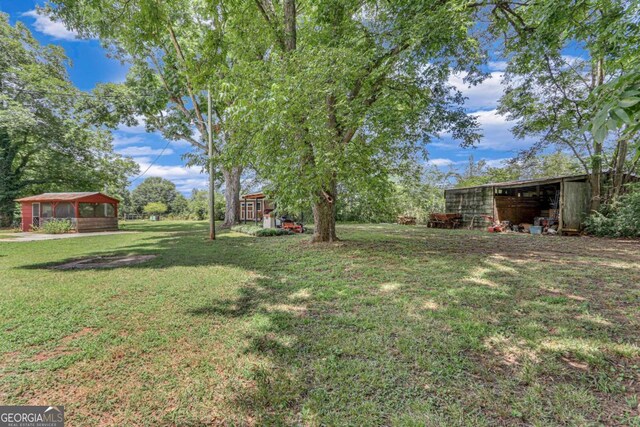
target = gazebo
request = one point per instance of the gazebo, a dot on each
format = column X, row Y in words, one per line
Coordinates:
column 89, row 211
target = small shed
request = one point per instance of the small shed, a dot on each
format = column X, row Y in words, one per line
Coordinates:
column 565, row 198
column 88, row 211
column 253, row 206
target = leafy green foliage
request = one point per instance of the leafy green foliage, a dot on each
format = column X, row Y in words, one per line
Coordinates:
column 552, row 91
column 178, row 50
column 618, row 219
column 418, row 194
column 155, row 208
column 256, row 230
column 619, row 108
column 198, row 205
column 353, row 99
column 531, row 167
column 47, row 142
column 56, row 226
column 156, row 189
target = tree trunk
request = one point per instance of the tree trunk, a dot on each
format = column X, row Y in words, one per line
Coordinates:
column 289, row 25
column 618, row 168
column 10, row 176
column 324, row 215
column 596, row 160
column 596, row 177
column 232, row 195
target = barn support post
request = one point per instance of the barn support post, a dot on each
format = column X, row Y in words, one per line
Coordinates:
column 493, row 204
column 561, row 207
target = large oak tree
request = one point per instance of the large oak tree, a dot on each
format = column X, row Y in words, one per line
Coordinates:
column 351, row 89
column 177, row 50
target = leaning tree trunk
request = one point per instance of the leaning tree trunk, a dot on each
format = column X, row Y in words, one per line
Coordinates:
column 618, row 168
column 596, row 177
column 232, row 195
column 596, row 160
column 324, row 215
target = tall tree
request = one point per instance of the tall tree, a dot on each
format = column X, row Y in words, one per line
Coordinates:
column 158, row 190
column 560, row 54
column 46, row 142
column 352, row 89
column 177, row 50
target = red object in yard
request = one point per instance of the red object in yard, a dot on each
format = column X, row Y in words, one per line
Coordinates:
column 292, row 226
column 494, row 229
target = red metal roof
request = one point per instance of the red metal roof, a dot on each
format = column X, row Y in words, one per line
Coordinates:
column 53, row 197
column 253, row 196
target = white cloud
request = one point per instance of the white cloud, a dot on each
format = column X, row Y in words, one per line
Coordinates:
column 45, row 25
column 491, row 118
column 137, row 151
column 440, row 162
column 185, row 178
column 482, row 96
column 138, row 128
column 497, row 163
column 143, row 160
column 497, row 65
column 120, row 140
column 497, row 133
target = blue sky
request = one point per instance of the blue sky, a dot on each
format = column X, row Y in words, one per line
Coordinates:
column 90, row 66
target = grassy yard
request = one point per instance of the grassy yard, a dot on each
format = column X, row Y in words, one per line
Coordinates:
column 392, row 326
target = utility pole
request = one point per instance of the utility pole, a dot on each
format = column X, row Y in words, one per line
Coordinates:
column 212, row 219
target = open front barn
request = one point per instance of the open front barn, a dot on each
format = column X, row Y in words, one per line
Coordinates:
column 565, row 199
column 86, row 211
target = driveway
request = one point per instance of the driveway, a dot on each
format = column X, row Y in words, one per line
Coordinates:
column 34, row 237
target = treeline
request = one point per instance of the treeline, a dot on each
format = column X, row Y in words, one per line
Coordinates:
column 159, row 196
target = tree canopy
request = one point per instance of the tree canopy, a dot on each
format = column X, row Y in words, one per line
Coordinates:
column 562, row 58
column 47, row 143
column 158, row 190
column 347, row 93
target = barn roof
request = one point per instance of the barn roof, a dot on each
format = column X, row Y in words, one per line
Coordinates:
column 527, row 182
column 58, row 197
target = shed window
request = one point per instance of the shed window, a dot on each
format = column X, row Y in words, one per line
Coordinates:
column 46, row 210
column 65, row 210
column 97, row 210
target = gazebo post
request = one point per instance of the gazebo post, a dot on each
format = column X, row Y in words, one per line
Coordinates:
column 76, row 208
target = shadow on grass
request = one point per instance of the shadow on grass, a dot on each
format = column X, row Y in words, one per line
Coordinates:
column 397, row 325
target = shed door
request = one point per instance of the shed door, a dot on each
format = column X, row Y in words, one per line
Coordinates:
column 35, row 214
column 577, row 198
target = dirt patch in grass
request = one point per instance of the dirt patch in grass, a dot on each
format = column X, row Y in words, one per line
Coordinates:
column 104, row 262
column 63, row 349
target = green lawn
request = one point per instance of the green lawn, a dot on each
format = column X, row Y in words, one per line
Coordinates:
column 392, row 326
